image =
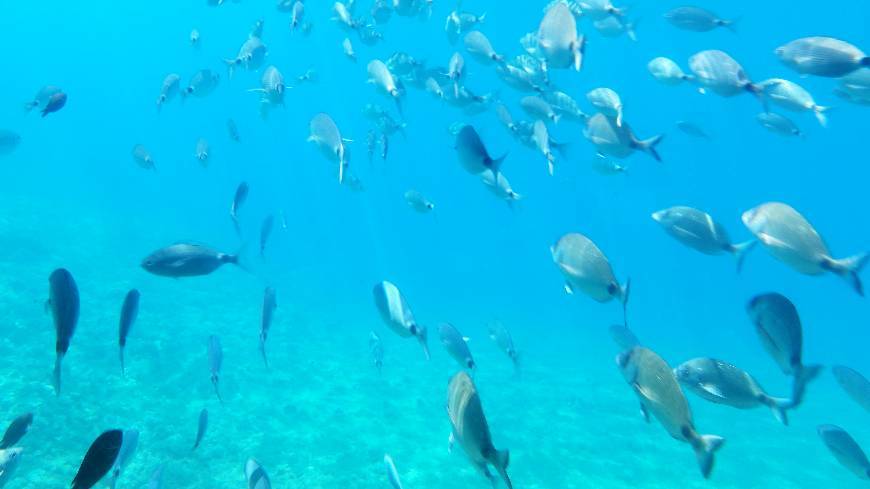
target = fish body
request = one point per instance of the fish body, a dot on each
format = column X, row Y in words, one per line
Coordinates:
column 129, row 312
column 64, row 304
column 186, row 260
column 397, row 315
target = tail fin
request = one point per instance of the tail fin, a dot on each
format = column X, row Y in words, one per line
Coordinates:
column 624, row 292
column 705, row 447
column 819, row 112
column 803, row 375
column 56, row 377
column 740, row 250
column 501, row 461
column 30, row 105
column 123, row 368
column 731, row 25
column 779, row 407
column 865, row 61
column 231, row 64
column 495, row 165
column 649, row 146
column 421, row 335
column 849, row 268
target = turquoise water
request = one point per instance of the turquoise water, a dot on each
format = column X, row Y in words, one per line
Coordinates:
column 321, row 416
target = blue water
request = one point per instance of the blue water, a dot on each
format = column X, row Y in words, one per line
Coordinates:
column 321, row 416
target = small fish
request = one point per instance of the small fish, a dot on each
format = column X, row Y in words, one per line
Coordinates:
column 456, row 345
column 203, row 83
column 265, row 233
column 186, row 260
column 696, row 19
column 541, row 138
column 347, row 47
column 194, row 38
column 473, row 154
column 499, row 185
column 239, row 199
column 392, row 473
column 822, row 56
column 499, row 334
column 614, row 26
column 99, row 459
column 270, row 303
column 477, row 44
column 721, row 74
column 380, row 77
column 156, row 480
column 376, row 349
column 599, row 9
column 667, row 71
column 558, row 39
column 202, row 151
column 692, row 129
column 455, row 71
column 608, row 102
column 201, row 427
column 9, row 460
column 855, row 385
column 251, row 56
column 371, row 142
column 63, row 302
column 42, row 97
column 538, row 108
column 54, row 103
column 418, row 202
column 397, row 315
column 791, row 96
column 618, row 141
column 845, row 449
column 697, row 230
column 297, row 15
column 256, row 475
column 169, row 89
column 385, row 146
column 142, row 157
column 233, row 130
column 9, row 141
column 16, row 430
column 310, row 76
column 779, row 124
column 129, row 312
column 433, row 87
column 215, row 360
column 606, row 166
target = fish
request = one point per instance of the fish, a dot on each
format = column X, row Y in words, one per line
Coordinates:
column 855, row 87
column 718, row 72
column 699, row 231
column 822, row 56
column 845, row 449
column 215, row 360
column 251, row 56
column 655, row 385
column 456, row 345
column 459, row 22
column 397, row 315
column 380, row 77
column 16, row 431
column 297, row 15
column 202, row 84
column 9, row 459
column 558, row 39
column 418, row 202
column 852, row 382
column 433, row 87
column 624, row 337
column 156, row 480
column 325, row 134
column 54, row 103
column 455, row 71
column 271, row 93
column 392, row 473
column 202, row 151
column 479, row 47
column 541, row 138
column 9, row 141
column 778, row 326
column 265, row 233
column 257, row 28
column 129, row 312
column 270, row 303
column 471, row 429
column 193, row 38
column 537, row 107
column 697, row 19
column 63, row 302
column 667, row 71
column 371, row 142
column 608, row 102
column 376, row 349
column 233, row 130
column 692, row 129
column 779, row 124
column 99, row 459
column 239, row 199
column 614, row 26
column 599, row 9
column 201, row 427
column 142, row 157
column 385, row 146
column 186, row 260
column 347, row 47
column 169, row 89
column 791, row 239
column 129, row 443
column 499, row 185
column 502, row 338
column 723, row 383
column 42, row 97
column 256, row 475
column 587, row 270
column 606, row 166
column 618, row 141
column 564, row 105
column 473, row 154
column 791, row 96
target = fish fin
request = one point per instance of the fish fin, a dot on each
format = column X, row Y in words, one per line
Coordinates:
column 769, row 240
column 865, row 61
column 619, row 118
column 740, row 250
column 568, row 289
column 422, row 335
column 819, row 112
column 501, row 461
column 779, row 408
column 495, row 165
column 46, row 306
column 712, row 390
column 803, row 375
column 466, row 339
column 450, row 441
column 848, row 269
column 649, row 146
column 644, row 413
column 624, row 292
column 56, row 377
column 705, row 447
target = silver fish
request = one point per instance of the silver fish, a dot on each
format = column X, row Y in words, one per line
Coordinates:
column 558, row 39
column 239, row 199
column 265, row 232
column 541, row 138
column 822, row 56
column 169, row 89
column 325, row 134
column 9, row 459
column 608, row 102
column 478, row 45
column 297, row 15
column 855, row 385
column 347, row 47
column 667, row 71
column 251, row 56
column 202, row 151
column 499, row 185
column 142, row 157
column 376, row 349
column 64, row 303
column 697, row 230
column 203, row 83
column 791, row 96
column 380, row 76
column 418, row 202
column 721, row 74
column 186, row 260
column 845, row 449
column 618, row 141
column 606, row 166
column 392, row 473
column 655, row 385
column 696, row 19
column 256, row 475
column 538, row 108
column 855, row 87
column 599, row 9
column 156, row 480
column 613, row 26
column 456, row 345
column 779, row 124
column 397, row 315
column 499, row 334
column 129, row 312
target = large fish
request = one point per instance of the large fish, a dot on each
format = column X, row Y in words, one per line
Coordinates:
column 397, row 315
column 473, row 154
column 129, row 311
column 558, row 39
column 63, row 301
column 697, row 230
column 16, row 430
column 655, row 385
column 790, row 238
column 618, row 141
column 723, row 383
column 845, row 449
column 822, row 56
column 215, row 360
column 99, row 459
column 855, row 385
column 779, row 328
column 471, row 429
column 456, row 345
column 186, row 260
column 720, row 73
column 270, row 303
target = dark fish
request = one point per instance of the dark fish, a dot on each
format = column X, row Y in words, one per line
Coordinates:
column 845, row 449
column 779, row 329
column 129, row 311
column 186, row 260
column 16, row 430
column 215, row 359
column 63, row 300
column 256, row 475
column 238, row 200
column 233, row 130
column 54, row 104
column 623, row 337
column 855, row 385
column 473, row 154
column 265, row 232
column 99, row 459
column 269, row 305
column 201, row 428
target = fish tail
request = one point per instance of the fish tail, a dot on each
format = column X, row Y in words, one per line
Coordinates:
column 740, row 250
column 865, row 61
column 819, row 112
column 495, row 165
column 56, row 378
column 705, row 447
column 30, row 105
column 779, row 407
column 624, row 292
column 121, row 357
column 501, row 461
column 848, row 269
column 802, row 376
column 649, row 146
column 422, row 335
column 263, row 351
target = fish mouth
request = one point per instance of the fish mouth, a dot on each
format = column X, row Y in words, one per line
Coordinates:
column 658, row 216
